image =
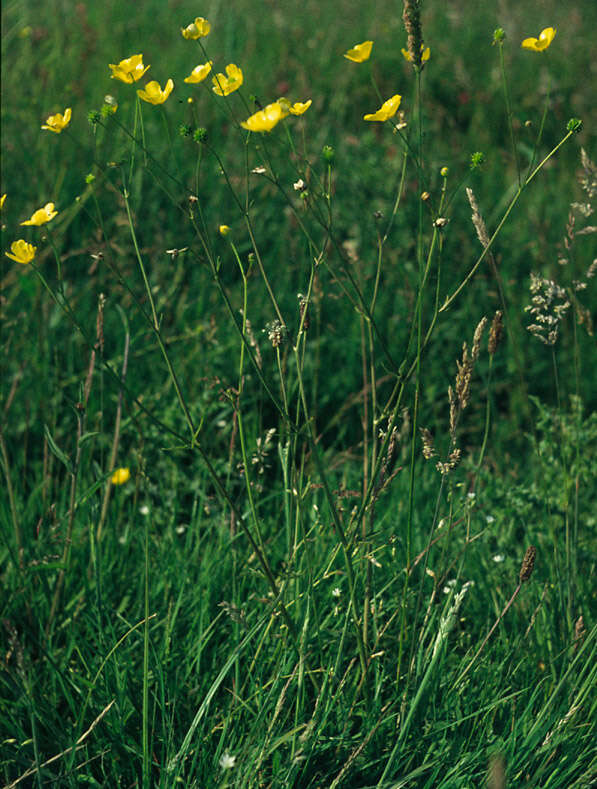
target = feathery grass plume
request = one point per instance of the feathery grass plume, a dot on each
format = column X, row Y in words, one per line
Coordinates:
column 466, row 366
column 579, row 632
column 495, row 332
column 582, row 212
column 588, row 178
column 477, row 337
column 445, row 467
column 411, row 16
column 463, row 377
column 478, row 222
column 384, row 479
column 549, row 306
column 528, row 563
column 453, row 413
column 562, row 722
column 428, row 447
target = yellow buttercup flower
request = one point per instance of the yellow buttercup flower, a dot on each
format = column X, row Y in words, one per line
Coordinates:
column 299, row 107
column 546, row 36
column 2, row 199
column 129, row 70
column 386, row 111
column 153, row 94
column 120, row 476
column 197, row 29
column 266, row 119
column 42, row 215
column 425, row 54
column 21, row 251
column 199, row 73
column 223, row 230
column 58, row 122
column 223, row 85
column 360, row 52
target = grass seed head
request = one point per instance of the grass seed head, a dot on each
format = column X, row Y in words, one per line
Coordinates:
column 428, row 447
column 411, row 15
column 495, row 332
column 477, row 219
column 528, row 563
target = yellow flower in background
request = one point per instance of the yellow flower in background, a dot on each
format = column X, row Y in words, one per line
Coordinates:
column 299, row 107
column 546, row 36
column 425, row 54
column 265, row 119
column 42, row 215
column 21, row 251
column 360, row 52
column 129, row 70
column 199, row 73
column 2, row 199
column 223, row 85
column 56, row 123
column 120, row 476
column 386, row 111
column 153, row 94
column 197, row 29
column 224, row 230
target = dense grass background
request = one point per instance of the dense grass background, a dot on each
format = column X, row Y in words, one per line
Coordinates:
column 216, row 670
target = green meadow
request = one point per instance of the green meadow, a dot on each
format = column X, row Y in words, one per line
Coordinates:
column 298, row 415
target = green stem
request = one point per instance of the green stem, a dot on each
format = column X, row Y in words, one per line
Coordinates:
column 509, row 111
column 507, row 213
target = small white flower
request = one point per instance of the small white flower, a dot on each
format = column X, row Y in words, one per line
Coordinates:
column 180, row 529
column 490, row 519
column 144, row 509
column 498, row 558
column 299, row 186
column 259, row 170
column 227, row 762
column 336, row 592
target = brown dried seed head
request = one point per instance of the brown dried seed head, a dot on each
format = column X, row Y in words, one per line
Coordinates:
column 304, row 311
column 527, row 564
column 411, row 16
column 495, row 333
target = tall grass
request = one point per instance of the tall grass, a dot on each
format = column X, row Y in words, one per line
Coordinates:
column 298, row 434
